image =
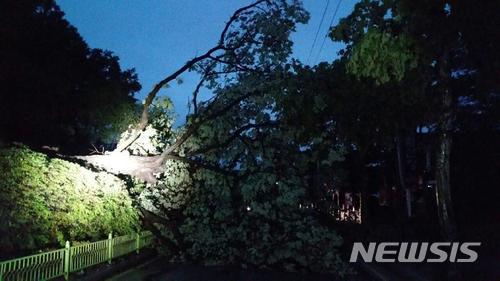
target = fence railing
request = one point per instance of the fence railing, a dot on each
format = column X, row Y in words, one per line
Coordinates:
column 62, row 262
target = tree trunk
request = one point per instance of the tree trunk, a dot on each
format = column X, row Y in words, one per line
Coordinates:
column 443, row 188
column 401, row 172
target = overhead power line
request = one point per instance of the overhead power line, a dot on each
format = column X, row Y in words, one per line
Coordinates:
column 317, row 31
column 329, row 26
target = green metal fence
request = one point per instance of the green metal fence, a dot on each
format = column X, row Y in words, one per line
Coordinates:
column 62, row 262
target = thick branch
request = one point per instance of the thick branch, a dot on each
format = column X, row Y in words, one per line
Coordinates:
column 136, row 132
column 194, row 127
column 141, row 167
column 195, row 95
column 150, row 218
column 150, row 97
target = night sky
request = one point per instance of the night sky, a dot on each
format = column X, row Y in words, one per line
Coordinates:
column 157, row 36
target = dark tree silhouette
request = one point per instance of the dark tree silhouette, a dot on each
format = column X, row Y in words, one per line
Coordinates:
column 54, row 89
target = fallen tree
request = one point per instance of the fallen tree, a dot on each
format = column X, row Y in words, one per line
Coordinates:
column 228, row 187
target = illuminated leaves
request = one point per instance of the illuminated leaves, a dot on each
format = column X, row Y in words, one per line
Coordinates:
column 383, row 57
column 48, row 201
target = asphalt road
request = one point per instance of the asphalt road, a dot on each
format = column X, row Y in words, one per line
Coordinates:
column 160, row 270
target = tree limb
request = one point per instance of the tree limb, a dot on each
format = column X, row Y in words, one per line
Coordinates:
column 136, row 132
column 196, row 125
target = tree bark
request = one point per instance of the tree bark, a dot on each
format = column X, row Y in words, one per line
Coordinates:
column 443, row 187
column 444, row 130
column 401, row 172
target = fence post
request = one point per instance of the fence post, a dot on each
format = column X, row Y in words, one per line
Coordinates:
column 137, row 242
column 110, row 247
column 67, row 260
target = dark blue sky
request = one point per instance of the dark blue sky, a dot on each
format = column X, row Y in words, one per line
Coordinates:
column 158, row 36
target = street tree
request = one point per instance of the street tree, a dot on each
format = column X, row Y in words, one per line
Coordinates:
column 439, row 48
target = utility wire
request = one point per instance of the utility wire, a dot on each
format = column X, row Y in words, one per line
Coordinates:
column 317, row 31
column 329, row 26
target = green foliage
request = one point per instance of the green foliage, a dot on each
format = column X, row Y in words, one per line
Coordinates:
column 48, row 201
column 272, row 231
column 162, row 119
column 328, row 100
column 268, row 230
column 383, row 57
column 253, row 217
column 159, row 133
